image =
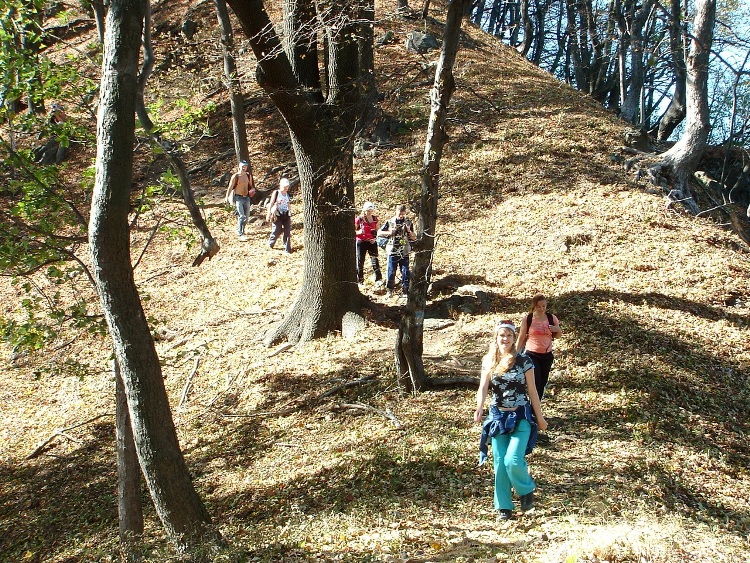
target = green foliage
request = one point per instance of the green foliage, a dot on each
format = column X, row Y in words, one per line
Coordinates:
column 44, row 237
column 20, row 40
column 189, row 121
column 27, row 336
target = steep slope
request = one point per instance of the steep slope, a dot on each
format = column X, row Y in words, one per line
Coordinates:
column 650, row 391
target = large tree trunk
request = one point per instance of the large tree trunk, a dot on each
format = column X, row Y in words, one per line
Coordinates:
column 236, row 101
column 679, row 162
column 130, row 509
column 180, row 509
column 328, row 292
column 322, row 129
column 409, row 344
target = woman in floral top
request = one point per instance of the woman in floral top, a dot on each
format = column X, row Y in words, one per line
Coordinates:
column 514, row 420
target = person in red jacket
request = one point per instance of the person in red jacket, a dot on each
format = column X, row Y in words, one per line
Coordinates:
column 366, row 229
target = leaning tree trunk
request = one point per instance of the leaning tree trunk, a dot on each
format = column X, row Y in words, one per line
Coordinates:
column 185, row 519
column 528, row 29
column 409, row 344
column 209, row 246
column 679, row 162
column 236, row 101
column 130, row 509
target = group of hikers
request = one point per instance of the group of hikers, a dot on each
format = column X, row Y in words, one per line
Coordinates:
column 515, row 370
column 395, row 235
column 240, row 192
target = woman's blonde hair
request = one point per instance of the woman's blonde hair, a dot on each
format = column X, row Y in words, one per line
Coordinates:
column 494, row 358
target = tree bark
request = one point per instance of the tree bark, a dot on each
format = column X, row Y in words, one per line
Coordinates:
column 322, row 130
column 409, row 343
column 679, row 162
column 130, row 509
column 236, row 100
column 180, row 509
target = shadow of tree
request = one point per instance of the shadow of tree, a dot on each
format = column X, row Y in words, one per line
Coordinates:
column 56, row 503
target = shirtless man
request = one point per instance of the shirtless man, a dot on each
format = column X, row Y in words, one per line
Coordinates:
column 243, row 185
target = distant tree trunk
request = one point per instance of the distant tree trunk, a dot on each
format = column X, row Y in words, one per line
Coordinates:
column 31, row 43
column 130, row 509
column 366, row 51
column 236, row 101
column 633, row 24
column 409, row 344
column 100, row 12
column 478, row 15
column 576, row 47
column 495, row 13
column 528, row 29
column 322, row 127
column 209, row 246
column 180, row 509
column 675, row 113
column 539, row 30
column 602, row 74
column 679, row 162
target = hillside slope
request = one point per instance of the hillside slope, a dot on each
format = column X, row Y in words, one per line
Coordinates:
column 649, row 395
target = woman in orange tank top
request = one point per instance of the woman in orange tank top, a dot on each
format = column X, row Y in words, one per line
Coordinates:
column 536, row 335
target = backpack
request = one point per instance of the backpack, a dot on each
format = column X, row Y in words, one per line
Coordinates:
column 550, row 320
column 272, row 214
column 381, row 240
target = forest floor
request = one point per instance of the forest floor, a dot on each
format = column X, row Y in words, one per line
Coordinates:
column 648, row 456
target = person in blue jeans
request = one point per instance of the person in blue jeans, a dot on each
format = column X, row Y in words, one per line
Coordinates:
column 239, row 194
column 514, row 420
column 400, row 233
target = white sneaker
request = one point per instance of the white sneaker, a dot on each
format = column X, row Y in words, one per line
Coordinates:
column 389, row 294
column 379, row 284
column 243, row 238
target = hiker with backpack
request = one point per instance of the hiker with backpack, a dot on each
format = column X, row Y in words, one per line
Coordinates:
column 240, row 190
column 366, row 229
column 280, row 216
column 535, row 337
column 514, row 419
column 400, row 233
